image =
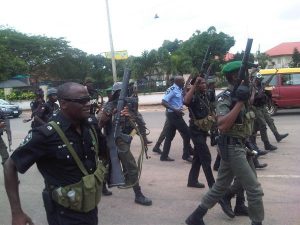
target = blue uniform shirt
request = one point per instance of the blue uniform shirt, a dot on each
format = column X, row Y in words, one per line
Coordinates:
column 174, row 97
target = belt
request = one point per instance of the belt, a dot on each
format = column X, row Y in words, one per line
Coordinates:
column 234, row 141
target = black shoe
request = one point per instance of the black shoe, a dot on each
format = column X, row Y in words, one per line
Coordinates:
column 261, row 152
column 226, row 207
column 270, row 147
column 189, row 159
column 167, row 159
column 142, row 200
column 260, row 165
column 106, row 192
column 241, row 210
column 279, row 137
column 157, row 150
column 196, row 185
column 196, row 218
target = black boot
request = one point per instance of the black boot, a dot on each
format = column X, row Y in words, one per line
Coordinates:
column 157, row 149
column 279, row 137
column 225, row 204
column 140, row 198
column 269, row 147
column 105, row 191
column 196, row 218
column 257, row 164
column 256, row 223
column 254, row 147
column 240, row 209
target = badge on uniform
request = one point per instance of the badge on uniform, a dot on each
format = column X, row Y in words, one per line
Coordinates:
column 26, row 139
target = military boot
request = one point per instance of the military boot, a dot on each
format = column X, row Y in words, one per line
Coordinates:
column 225, row 204
column 140, row 198
column 256, row 223
column 279, row 137
column 254, row 147
column 105, row 191
column 257, row 164
column 269, row 147
column 196, row 218
column 157, row 149
column 240, row 209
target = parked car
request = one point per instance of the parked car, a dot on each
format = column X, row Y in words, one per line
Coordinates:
column 283, row 88
column 10, row 109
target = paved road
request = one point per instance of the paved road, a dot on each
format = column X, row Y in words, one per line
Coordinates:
column 165, row 183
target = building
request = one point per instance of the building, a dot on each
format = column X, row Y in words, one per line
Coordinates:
column 281, row 55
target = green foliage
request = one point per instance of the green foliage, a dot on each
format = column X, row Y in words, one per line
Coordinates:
column 18, row 95
column 295, row 59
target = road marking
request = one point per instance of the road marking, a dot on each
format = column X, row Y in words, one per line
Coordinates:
column 279, row 176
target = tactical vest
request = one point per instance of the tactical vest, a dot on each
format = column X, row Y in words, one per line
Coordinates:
column 85, row 195
column 243, row 128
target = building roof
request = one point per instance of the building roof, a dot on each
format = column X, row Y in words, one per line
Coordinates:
column 12, row 84
column 286, row 48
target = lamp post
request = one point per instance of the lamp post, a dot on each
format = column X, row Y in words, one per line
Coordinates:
column 113, row 60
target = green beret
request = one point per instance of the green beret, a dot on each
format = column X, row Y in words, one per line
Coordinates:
column 231, row 67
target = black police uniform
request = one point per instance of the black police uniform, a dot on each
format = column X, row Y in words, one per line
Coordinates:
column 3, row 148
column 37, row 109
column 199, row 109
column 44, row 147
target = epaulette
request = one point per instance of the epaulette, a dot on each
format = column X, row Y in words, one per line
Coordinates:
column 46, row 129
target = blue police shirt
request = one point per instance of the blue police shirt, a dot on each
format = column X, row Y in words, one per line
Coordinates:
column 174, row 97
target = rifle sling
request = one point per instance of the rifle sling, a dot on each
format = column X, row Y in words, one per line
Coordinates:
column 71, row 149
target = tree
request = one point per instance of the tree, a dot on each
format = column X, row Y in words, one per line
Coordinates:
column 295, row 58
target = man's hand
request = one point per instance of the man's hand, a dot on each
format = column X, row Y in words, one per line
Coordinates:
column 2, row 125
column 179, row 112
column 242, row 92
column 125, row 111
column 21, row 219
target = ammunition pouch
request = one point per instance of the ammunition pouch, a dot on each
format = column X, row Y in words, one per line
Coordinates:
column 244, row 129
column 205, row 124
column 83, row 196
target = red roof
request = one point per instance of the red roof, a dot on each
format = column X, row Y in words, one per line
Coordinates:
column 286, row 48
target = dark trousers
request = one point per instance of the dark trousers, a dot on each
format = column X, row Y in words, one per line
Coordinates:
column 176, row 122
column 202, row 157
column 59, row 215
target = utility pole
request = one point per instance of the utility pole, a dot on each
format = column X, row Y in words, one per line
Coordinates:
column 113, row 60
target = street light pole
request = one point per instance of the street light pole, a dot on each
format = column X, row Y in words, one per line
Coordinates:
column 113, row 60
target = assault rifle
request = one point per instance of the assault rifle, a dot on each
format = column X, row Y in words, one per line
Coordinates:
column 204, row 62
column 116, row 177
column 243, row 74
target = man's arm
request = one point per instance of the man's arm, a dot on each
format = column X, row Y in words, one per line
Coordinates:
column 225, row 122
column 12, row 190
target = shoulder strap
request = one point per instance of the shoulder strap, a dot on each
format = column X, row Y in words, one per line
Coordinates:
column 70, row 147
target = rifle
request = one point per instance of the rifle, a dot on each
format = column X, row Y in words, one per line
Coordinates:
column 7, row 131
column 204, row 62
column 116, row 177
column 243, row 74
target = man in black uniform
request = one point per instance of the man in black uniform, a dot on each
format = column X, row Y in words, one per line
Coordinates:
column 66, row 151
column 201, row 120
column 3, row 149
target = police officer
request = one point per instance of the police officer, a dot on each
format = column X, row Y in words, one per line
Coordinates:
column 128, row 162
column 66, row 152
column 95, row 104
column 232, row 149
column 201, row 120
column 3, row 149
column 173, row 101
column 37, row 107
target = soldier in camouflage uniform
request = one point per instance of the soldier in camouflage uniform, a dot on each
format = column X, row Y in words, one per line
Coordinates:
column 128, row 162
column 235, row 122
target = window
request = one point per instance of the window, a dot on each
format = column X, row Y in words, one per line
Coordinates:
column 290, row 79
column 270, row 80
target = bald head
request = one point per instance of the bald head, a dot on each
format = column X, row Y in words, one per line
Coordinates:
column 179, row 80
column 69, row 90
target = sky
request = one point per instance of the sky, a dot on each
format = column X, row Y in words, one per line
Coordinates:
column 85, row 25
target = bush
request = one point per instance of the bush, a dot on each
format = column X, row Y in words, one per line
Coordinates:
column 16, row 95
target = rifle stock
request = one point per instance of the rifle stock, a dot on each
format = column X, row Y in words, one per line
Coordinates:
column 116, row 177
